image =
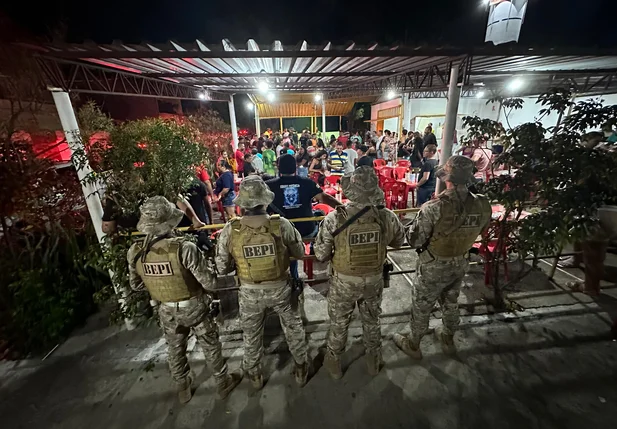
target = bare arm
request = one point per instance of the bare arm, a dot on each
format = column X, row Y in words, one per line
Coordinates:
column 327, row 199
column 184, row 205
column 424, row 178
column 109, row 227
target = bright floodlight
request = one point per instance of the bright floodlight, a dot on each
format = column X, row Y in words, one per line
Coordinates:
column 516, row 84
column 318, row 97
column 391, row 94
column 202, row 95
column 480, row 94
column 249, row 106
column 263, row 86
column 271, row 97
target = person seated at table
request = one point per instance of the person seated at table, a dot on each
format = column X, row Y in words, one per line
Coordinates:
column 363, row 158
column 224, row 188
column 338, row 160
column 317, row 168
column 428, row 181
column 293, row 197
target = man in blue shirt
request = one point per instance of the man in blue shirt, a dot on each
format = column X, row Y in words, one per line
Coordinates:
column 338, row 160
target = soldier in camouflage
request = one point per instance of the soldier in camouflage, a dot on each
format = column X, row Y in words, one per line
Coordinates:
column 175, row 272
column 261, row 246
column 444, row 230
column 357, row 255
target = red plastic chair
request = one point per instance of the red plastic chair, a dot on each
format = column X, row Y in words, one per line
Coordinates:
column 395, row 194
column 403, row 195
column 221, row 209
column 487, row 249
column 403, row 163
column 324, row 208
column 332, row 180
column 379, row 162
column 400, row 173
column 388, row 172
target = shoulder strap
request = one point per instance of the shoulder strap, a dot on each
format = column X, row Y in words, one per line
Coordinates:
column 146, row 248
column 461, row 216
column 354, row 218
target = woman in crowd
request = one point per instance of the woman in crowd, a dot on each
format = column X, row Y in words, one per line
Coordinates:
column 318, row 167
column 269, row 158
column 372, row 150
column 302, row 161
column 224, row 188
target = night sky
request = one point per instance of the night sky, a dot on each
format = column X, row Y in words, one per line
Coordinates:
column 454, row 22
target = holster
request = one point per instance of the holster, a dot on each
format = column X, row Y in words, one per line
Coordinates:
column 387, row 268
column 297, row 295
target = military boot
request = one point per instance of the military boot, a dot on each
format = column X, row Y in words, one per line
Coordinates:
column 374, row 362
column 300, row 373
column 447, row 341
column 257, row 379
column 184, row 389
column 226, row 382
column 332, row 363
column 409, row 347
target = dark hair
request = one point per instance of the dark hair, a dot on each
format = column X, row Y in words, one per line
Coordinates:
column 225, row 164
column 320, row 143
column 283, row 152
column 349, row 143
column 332, row 137
column 405, row 132
column 338, row 143
column 388, row 132
column 254, row 151
column 431, row 148
column 269, row 144
column 321, row 153
column 363, row 148
column 247, row 155
column 286, row 144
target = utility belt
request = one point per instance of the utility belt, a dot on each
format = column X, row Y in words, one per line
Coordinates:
column 275, row 284
column 214, row 305
column 425, row 256
column 388, row 267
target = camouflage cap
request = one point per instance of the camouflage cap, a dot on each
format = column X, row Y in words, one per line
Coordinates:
column 253, row 193
column 158, row 216
column 362, row 186
column 458, row 170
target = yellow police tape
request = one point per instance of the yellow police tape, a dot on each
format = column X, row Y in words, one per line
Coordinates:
column 300, row 219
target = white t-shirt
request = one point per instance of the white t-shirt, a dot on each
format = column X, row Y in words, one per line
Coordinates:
column 352, row 155
column 279, row 148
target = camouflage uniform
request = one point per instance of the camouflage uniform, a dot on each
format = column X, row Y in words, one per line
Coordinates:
column 175, row 272
column 444, row 238
column 359, row 286
column 255, row 297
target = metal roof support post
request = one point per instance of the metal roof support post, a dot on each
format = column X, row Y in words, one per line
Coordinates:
column 454, row 96
column 257, row 124
column 323, row 119
column 93, row 200
column 234, row 126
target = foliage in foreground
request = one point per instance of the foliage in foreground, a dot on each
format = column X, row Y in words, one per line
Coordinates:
column 554, row 173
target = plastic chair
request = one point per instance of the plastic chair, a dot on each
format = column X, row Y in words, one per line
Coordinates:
column 379, row 162
column 332, row 179
column 400, row 173
column 392, row 192
column 388, row 172
column 403, row 163
column 324, row 208
column 221, row 209
column 486, row 249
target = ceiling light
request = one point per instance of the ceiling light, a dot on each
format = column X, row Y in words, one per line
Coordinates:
column 317, row 98
column 515, row 84
column 271, row 97
column 249, row 106
column 480, row 94
column 391, row 94
column 202, row 95
column 263, row 86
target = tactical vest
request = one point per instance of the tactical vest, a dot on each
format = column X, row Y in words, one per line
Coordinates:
column 454, row 235
column 360, row 249
column 260, row 254
column 163, row 274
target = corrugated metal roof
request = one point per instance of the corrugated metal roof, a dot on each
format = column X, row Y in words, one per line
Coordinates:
column 325, row 68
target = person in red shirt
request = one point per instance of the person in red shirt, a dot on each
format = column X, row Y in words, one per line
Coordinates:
column 342, row 137
column 239, row 156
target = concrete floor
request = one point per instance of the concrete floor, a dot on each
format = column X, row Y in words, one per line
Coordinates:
column 551, row 365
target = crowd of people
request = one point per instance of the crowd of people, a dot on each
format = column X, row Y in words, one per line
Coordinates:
column 258, row 247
